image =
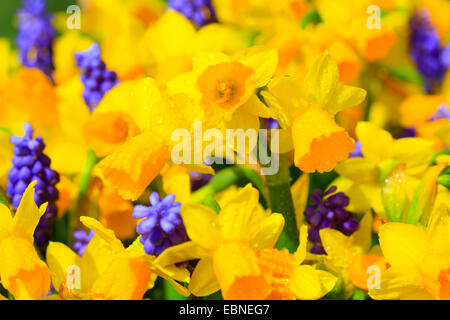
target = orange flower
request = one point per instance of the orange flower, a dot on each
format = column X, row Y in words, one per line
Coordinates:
column 106, row 131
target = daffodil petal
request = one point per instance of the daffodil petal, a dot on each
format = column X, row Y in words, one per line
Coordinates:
column 203, row 281
column 402, row 244
column 308, row 283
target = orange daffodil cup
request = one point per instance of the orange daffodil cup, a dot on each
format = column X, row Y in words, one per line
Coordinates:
column 236, row 253
column 305, row 111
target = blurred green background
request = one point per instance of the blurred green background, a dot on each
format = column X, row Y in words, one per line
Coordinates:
column 9, row 7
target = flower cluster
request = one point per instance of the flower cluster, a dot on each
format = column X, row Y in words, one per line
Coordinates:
column 162, row 226
column 328, row 213
column 35, row 37
column 431, row 58
column 96, row 78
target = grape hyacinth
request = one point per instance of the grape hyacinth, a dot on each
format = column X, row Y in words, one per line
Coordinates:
column 357, row 152
column 81, row 240
column 31, row 164
column 443, row 112
column 96, row 78
column 328, row 213
column 199, row 12
column 432, row 60
column 35, row 37
column 162, row 226
column 199, row 180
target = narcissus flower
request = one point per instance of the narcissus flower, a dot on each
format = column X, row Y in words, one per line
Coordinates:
column 305, row 112
column 227, row 86
column 225, row 245
column 139, row 160
column 419, row 259
column 361, row 177
column 22, row 272
column 107, row 270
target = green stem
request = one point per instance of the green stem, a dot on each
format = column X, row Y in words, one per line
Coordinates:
column 170, row 293
column 281, row 202
column 91, row 160
column 226, row 177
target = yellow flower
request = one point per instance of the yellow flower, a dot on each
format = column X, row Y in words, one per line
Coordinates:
column 106, row 270
column 236, row 253
column 226, row 87
column 22, row 272
column 226, row 244
column 137, row 161
column 349, row 19
column 305, row 112
column 288, row 279
column 350, row 256
column 419, row 259
column 114, row 121
column 361, row 177
column 28, row 96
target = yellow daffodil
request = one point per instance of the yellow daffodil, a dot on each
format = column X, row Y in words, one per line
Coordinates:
column 361, row 177
column 350, row 19
column 305, row 111
column 226, row 87
column 28, row 96
column 237, row 254
column 170, row 43
column 350, row 256
column 22, row 272
column 106, row 270
column 226, row 244
column 419, row 259
column 135, row 163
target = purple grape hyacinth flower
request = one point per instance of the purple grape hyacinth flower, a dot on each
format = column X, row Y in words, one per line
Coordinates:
column 431, row 58
column 199, row 12
column 328, row 213
column 31, row 164
column 97, row 80
column 162, row 226
column 35, row 37
column 81, row 240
